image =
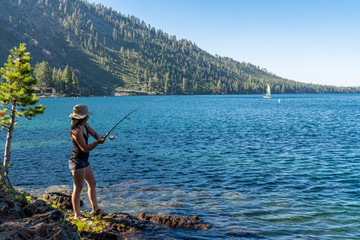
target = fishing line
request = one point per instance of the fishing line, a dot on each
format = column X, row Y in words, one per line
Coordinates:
column 112, row 138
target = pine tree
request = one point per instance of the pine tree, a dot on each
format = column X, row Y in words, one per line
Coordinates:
column 114, row 34
column 74, row 83
column 155, row 82
column 17, row 92
column 218, row 86
column 66, row 80
column 167, row 83
column 43, row 75
column 185, row 85
column 145, row 75
column 55, row 79
column 149, row 84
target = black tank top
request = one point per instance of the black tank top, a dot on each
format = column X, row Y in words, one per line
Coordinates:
column 77, row 154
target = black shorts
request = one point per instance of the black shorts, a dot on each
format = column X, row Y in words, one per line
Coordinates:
column 78, row 164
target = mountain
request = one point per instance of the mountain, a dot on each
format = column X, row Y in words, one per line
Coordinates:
column 111, row 52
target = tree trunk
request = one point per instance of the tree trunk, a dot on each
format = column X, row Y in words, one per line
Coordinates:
column 7, row 153
column 4, row 179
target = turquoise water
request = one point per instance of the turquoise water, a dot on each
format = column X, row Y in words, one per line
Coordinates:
column 253, row 167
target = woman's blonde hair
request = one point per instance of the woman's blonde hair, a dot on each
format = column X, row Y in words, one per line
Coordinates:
column 76, row 122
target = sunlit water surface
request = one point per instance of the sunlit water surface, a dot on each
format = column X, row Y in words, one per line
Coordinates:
column 254, row 168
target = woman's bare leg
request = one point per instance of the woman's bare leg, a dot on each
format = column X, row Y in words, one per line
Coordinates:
column 78, row 181
column 90, row 180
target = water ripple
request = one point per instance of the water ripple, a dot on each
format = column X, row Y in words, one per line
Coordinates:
column 252, row 167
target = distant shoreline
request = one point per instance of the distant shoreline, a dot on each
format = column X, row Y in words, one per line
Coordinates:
column 146, row 94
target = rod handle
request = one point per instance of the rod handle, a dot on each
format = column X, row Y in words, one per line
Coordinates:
column 106, row 135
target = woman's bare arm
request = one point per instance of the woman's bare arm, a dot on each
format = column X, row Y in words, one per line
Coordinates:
column 92, row 132
column 78, row 137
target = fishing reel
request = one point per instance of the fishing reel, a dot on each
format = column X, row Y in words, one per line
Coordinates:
column 111, row 137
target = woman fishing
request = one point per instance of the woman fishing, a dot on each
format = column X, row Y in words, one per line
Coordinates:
column 78, row 161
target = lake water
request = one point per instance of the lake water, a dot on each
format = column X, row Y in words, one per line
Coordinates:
column 254, row 168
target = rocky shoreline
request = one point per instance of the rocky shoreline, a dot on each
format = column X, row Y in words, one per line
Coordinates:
column 25, row 217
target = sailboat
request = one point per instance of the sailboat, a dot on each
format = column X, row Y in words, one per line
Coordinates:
column 268, row 93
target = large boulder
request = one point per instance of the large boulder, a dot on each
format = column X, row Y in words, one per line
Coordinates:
column 63, row 199
column 20, row 219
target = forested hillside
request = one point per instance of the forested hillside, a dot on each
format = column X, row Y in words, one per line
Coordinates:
column 106, row 51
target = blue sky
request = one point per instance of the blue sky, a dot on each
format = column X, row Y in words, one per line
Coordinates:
column 312, row 41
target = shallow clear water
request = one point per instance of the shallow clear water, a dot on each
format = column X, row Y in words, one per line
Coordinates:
column 253, row 167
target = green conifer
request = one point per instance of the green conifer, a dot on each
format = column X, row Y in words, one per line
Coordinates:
column 16, row 94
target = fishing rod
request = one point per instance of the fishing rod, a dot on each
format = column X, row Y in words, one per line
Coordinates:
column 112, row 138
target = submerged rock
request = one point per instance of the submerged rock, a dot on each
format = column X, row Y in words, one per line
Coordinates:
column 176, row 221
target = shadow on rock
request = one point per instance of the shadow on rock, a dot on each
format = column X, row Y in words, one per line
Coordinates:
column 21, row 219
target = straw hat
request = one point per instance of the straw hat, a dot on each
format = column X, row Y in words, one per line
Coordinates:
column 80, row 111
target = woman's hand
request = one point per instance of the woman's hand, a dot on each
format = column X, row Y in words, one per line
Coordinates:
column 101, row 140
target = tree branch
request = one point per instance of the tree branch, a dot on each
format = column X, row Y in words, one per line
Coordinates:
column 4, row 126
